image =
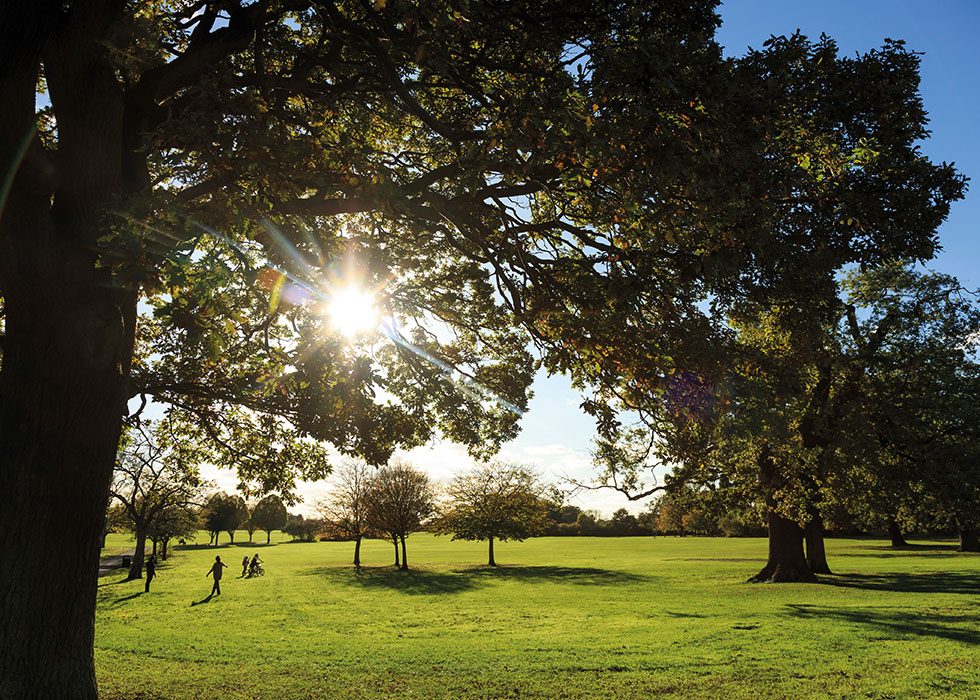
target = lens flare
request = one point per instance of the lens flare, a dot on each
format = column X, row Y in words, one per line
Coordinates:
column 352, row 311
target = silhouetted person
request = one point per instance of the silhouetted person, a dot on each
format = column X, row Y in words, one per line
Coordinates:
column 244, row 565
column 253, row 568
column 216, row 573
column 151, row 571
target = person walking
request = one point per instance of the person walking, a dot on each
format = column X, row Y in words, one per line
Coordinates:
column 255, row 568
column 244, row 565
column 151, row 571
column 216, row 572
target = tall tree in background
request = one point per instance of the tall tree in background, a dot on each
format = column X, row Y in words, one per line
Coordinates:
column 494, row 502
column 115, row 519
column 923, row 397
column 269, row 514
column 399, row 499
column 346, row 508
column 842, row 183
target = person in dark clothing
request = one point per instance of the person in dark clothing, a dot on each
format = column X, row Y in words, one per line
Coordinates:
column 244, row 565
column 151, row 571
column 216, row 573
column 255, row 568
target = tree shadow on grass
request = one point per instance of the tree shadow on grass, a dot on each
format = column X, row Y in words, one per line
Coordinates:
column 898, row 623
column 413, row 581
column 113, row 583
column 966, row 582
column 884, row 551
column 258, row 545
column 728, row 559
column 583, row 576
column 911, row 547
column 428, row 582
column 117, row 601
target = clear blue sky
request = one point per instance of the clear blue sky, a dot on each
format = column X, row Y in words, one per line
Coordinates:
column 946, row 31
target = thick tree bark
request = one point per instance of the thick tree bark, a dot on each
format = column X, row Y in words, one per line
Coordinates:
column 816, row 551
column 969, row 542
column 786, row 561
column 394, row 540
column 62, row 384
column 163, row 553
column 895, row 534
column 404, row 555
column 357, row 551
column 491, row 561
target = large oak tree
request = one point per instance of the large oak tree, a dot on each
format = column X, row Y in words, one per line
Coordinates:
column 759, row 392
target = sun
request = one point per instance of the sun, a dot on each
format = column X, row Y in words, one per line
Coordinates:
column 352, row 311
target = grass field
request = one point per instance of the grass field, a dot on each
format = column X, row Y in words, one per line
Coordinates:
column 564, row 618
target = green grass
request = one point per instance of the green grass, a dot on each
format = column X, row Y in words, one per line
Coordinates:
column 564, row 618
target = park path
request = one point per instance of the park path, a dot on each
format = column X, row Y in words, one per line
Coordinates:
column 113, row 562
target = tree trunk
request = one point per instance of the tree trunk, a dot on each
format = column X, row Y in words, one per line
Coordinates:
column 154, row 547
column 404, row 555
column 68, row 342
column 231, row 534
column 250, row 532
column 968, row 540
column 394, row 539
column 786, row 561
column 895, row 534
column 139, row 554
column 268, row 536
column 491, row 561
column 816, row 551
column 62, row 383
column 357, row 551
column 164, row 552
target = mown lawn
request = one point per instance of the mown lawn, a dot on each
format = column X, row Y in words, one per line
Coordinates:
column 562, row 618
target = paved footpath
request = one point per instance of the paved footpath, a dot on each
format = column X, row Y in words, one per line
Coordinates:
column 111, row 563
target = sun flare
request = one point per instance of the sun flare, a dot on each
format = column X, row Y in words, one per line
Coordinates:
column 352, row 311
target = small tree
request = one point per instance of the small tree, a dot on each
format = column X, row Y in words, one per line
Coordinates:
column 152, row 474
column 495, row 502
column 115, row 520
column 172, row 522
column 269, row 514
column 302, row 529
column 241, row 517
column 223, row 513
column 345, row 509
column 399, row 499
column 249, row 525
